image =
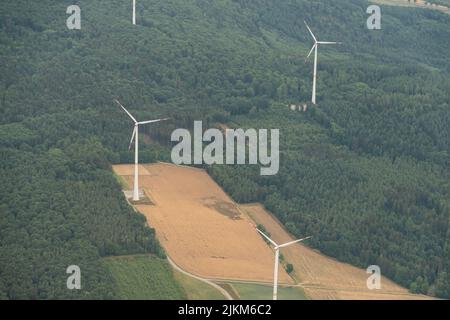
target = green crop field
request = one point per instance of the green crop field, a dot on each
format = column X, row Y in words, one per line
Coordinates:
column 264, row 292
column 144, row 277
column 197, row 290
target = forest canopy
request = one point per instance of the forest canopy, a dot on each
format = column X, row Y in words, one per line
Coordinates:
column 366, row 172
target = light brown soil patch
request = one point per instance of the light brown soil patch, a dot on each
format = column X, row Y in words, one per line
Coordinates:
column 323, row 277
column 200, row 227
column 128, row 170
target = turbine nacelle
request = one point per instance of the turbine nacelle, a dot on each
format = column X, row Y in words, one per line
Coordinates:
column 314, row 48
column 278, row 246
column 316, row 42
column 135, row 138
column 277, row 254
column 134, row 119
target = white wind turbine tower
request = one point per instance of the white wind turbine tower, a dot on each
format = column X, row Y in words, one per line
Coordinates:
column 135, row 137
column 315, row 47
column 134, row 12
column 277, row 256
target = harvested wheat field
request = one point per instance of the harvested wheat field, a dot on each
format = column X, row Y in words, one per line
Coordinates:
column 199, row 226
column 323, row 277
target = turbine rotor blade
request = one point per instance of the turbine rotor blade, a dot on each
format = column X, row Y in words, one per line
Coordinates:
column 153, row 121
column 312, row 49
column 328, row 42
column 309, row 29
column 270, row 240
column 292, row 242
column 132, row 137
column 129, row 114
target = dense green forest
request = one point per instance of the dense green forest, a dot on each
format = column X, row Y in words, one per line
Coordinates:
column 366, row 171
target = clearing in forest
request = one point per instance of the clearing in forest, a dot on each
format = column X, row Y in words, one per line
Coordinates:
column 200, row 227
column 207, row 234
column 322, row 277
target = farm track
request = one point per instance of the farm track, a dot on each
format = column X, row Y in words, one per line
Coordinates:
column 209, row 282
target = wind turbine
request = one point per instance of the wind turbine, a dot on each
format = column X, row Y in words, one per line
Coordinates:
column 135, row 137
column 277, row 256
column 315, row 47
column 134, row 12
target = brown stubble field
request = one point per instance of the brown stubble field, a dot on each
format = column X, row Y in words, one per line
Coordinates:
column 323, row 277
column 207, row 234
column 199, row 226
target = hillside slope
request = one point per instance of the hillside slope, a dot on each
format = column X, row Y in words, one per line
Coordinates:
column 366, row 172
